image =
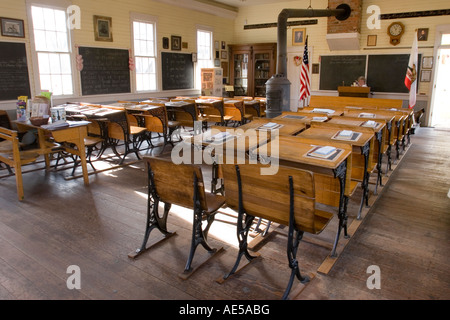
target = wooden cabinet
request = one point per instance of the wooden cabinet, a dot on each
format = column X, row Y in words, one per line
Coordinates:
column 251, row 66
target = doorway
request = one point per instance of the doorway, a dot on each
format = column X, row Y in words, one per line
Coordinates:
column 440, row 104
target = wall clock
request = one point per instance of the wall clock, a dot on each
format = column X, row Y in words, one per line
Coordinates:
column 395, row 32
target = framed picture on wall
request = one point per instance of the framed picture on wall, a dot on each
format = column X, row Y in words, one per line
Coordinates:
column 371, row 40
column 12, row 28
column 298, row 36
column 176, row 42
column 427, row 62
column 165, row 42
column 103, row 28
column 422, row 34
column 425, row 75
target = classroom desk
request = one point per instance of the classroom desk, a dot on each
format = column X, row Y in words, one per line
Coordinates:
column 212, row 103
column 253, row 104
column 292, row 151
column 286, row 127
column 378, row 115
column 380, row 137
column 233, row 106
column 362, row 146
column 74, row 134
column 236, row 149
column 102, row 116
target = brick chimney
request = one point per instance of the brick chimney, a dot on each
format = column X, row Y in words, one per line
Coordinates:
column 345, row 35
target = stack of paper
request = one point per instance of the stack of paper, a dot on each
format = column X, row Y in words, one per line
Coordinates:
column 369, row 123
column 219, row 137
column 345, row 134
column 320, row 110
column 366, row 115
column 323, row 152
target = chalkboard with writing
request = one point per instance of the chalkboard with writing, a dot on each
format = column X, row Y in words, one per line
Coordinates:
column 105, row 71
column 340, row 70
column 14, row 79
column 386, row 72
column 177, row 71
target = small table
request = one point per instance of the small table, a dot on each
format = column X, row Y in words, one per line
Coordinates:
column 73, row 134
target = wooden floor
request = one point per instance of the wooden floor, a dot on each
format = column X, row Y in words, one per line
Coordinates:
column 406, row 233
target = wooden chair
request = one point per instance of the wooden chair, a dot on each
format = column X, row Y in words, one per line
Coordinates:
column 13, row 157
column 287, row 198
column 119, row 129
column 181, row 185
column 159, row 124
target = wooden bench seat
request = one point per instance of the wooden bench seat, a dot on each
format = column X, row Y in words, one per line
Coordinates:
column 180, row 185
column 287, row 198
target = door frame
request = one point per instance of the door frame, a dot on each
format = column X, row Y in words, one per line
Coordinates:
column 440, row 29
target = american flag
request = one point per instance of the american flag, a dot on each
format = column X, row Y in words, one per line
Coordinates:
column 305, row 81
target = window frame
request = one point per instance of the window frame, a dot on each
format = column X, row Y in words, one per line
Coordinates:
column 210, row 30
column 36, row 85
column 144, row 18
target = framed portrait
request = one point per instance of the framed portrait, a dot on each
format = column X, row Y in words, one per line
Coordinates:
column 224, row 45
column 103, row 28
column 371, row 40
column 427, row 62
column 184, row 45
column 298, row 36
column 12, row 28
column 194, row 56
column 422, row 34
column 216, row 45
column 217, row 54
column 224, row 55
column 425, row 75
column 176, row 42
column 216, row 62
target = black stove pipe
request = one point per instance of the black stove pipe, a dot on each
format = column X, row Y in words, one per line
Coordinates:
column 278, row 87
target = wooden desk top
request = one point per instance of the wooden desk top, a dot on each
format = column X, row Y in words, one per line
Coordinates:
column 286, row 127
column 304, row 117
column 356, row 122
column 292, row 150
column 240, row 140
column 330, row 133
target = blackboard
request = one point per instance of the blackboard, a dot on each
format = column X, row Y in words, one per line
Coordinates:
column 105, row 71
column 340, row 70
column 14, row 79
column 177, row 71
column 386, row 72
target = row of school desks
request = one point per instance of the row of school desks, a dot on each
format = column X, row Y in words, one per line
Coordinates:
column 290, row 138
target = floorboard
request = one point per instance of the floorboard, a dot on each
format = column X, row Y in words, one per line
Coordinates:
column 405, row 232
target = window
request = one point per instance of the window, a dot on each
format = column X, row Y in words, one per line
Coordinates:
column 204, row 52
column 51, row 38
column 445, row 39
column 145, row 57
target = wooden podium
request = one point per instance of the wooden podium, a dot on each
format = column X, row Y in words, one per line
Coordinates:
column 362, row 92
